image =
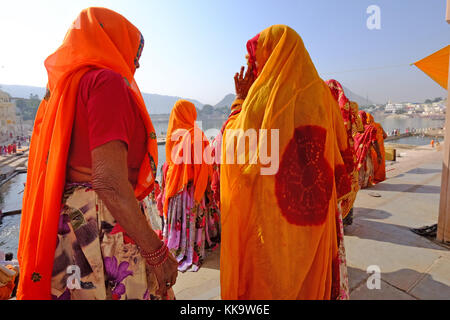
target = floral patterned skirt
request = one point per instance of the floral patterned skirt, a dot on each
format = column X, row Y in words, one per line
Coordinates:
column 191, row 229
column 94, row 258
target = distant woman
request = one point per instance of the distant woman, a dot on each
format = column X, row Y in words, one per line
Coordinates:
column 378, row 160
column 280, row 232
column 191, row 216
column 353, row 125
column 364, row 144
column 92, row 160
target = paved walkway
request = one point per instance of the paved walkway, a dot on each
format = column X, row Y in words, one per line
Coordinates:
column 412, row 267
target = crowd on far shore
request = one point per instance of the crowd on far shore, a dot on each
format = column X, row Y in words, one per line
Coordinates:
column 13, row 147
column 9, row 149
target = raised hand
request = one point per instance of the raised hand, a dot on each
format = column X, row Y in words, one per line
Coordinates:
column 243, row 82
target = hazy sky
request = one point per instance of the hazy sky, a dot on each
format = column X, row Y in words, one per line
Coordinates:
column 193, row 48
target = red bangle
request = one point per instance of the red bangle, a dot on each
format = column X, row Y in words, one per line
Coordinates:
column 153, row 259
column 160, row 263
column 153, row 254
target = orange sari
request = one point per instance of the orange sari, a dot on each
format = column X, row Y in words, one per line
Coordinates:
column 99, row 38
column 192, row 168
column 279, row 232
column 379, row 170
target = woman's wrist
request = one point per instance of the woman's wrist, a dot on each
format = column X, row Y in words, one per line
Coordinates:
column 156, row 258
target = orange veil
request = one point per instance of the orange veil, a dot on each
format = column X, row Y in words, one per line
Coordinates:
column 99, row 38
column 279, row 234
column 192, row 168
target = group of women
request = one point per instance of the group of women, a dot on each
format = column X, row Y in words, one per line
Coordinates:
column 366, row 139
column 92, row 166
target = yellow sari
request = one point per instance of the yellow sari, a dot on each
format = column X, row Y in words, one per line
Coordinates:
column 280, row 232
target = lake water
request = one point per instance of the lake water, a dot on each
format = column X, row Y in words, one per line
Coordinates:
column 391, row 123
column 11, row 195
column 414, row 140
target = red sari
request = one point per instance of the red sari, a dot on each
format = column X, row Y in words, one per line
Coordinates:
column 363, row 143
column 350, row 119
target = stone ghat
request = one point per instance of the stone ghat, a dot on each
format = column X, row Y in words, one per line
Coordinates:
column 12, row 165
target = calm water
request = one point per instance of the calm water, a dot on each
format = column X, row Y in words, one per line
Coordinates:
column 391, row 123
column 415, row 141
column 11, row 199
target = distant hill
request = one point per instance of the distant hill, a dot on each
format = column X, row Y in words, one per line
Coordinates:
column 156, row 104
column 229, row 99
column 23, row 91
column 356, row 98
column 226, row 102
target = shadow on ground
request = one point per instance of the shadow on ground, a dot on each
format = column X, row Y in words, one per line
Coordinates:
column 426, row 286
column 420, row 171
column 401, row 187
column 364, row 227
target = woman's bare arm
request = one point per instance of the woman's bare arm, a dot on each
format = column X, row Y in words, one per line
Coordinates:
column 376, row 146
column 110, row 182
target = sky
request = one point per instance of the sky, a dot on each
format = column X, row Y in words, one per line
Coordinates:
column 194, row 48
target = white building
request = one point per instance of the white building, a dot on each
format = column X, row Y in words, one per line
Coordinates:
column 395, row 108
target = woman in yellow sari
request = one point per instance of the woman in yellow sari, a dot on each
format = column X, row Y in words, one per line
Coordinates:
column 379, row 165
column 280, row 232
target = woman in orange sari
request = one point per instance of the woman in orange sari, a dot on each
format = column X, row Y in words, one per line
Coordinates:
column 280, row 226
column 379, row 165
column 191, row 216
column 353, row 125
column 84, row 234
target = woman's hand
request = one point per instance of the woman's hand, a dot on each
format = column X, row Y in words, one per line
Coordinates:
column 376, row 146
column 243, row 82
column 166, row 274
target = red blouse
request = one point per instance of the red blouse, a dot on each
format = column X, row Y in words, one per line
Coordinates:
column 105, row 111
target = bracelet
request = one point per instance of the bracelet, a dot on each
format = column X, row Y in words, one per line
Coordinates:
column 154, row 254
column 160, row 263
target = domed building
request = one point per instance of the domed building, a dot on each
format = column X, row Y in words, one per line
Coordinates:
column 7, row 117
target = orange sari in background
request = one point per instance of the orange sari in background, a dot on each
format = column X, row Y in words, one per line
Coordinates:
column 183, row 117
column 280, row 234
column 379, row 170
column 99, row 38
